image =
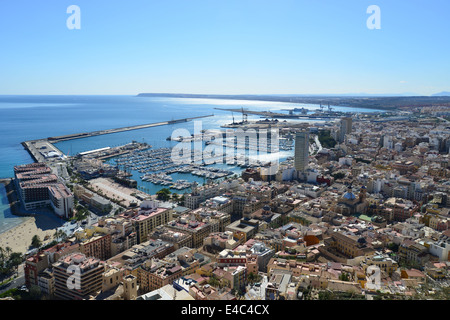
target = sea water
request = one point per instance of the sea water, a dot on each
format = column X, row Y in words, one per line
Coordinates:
column 25, row 118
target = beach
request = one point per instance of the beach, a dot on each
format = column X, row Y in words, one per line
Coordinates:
column 19, row 237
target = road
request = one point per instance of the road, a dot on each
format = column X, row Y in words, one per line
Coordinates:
column 16, row 283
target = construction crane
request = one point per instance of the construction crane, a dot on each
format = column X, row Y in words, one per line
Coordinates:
column 244, row 116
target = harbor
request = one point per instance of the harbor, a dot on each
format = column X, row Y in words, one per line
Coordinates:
column 156, row 166
column 292, row 113
column 44, row 150
column 122, row 129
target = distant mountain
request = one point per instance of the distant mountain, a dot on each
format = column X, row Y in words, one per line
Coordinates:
column 371, row 102
column 441, row 94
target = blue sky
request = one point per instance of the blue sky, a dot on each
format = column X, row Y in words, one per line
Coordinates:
column 224, row 47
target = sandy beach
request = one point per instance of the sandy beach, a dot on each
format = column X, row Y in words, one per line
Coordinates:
column 19, row 238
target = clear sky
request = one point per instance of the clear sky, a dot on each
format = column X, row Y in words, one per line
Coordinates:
column 224, row 47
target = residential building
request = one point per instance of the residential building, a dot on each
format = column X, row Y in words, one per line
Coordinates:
column 33, row 266
column 147, row 218
column 154, row 274
column 46, row 282
column 130, row 260
column 84, row 274
column 200, row 194
column 178, row 238
column 198, row 230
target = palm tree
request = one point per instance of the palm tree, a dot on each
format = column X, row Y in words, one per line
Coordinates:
column 59, row 235
column 63, row 235
column 2, row 259
column 56, row 234
column 8, row 251
column 36, row 241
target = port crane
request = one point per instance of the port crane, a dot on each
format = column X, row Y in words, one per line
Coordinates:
column 244, row 116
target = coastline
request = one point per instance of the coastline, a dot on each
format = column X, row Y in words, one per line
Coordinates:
column 14, row 203
column 19, row 237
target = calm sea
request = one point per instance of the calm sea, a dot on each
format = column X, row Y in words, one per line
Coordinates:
column 31, row 117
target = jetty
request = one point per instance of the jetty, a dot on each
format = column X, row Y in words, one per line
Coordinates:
column 116, row 130
column 43, row 150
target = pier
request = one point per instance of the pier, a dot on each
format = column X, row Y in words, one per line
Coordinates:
column 43, row 150
column 110, row 131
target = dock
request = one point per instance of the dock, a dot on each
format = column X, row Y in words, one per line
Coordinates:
column 116, row 130
column 43, row 150
column 273, row 115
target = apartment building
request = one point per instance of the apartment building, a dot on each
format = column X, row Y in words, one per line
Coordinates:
column 263, row 253
column 201, row 194
column 441, row 248
column 222, row 218
column 98, row 246
column 399, row 209
column 382, row 261
column 154, row 274
column 132, row 258
column 123, row 234
column 178, row 238
column 84, row 274
column 188, row 259
column 198, row 229
column 46, row 282
column 147, row 218
column 217, row 241
column 219, row 203
column 33, row 266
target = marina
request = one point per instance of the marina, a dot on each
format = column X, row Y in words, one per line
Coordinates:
column 156, row 166
column 42, row 150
